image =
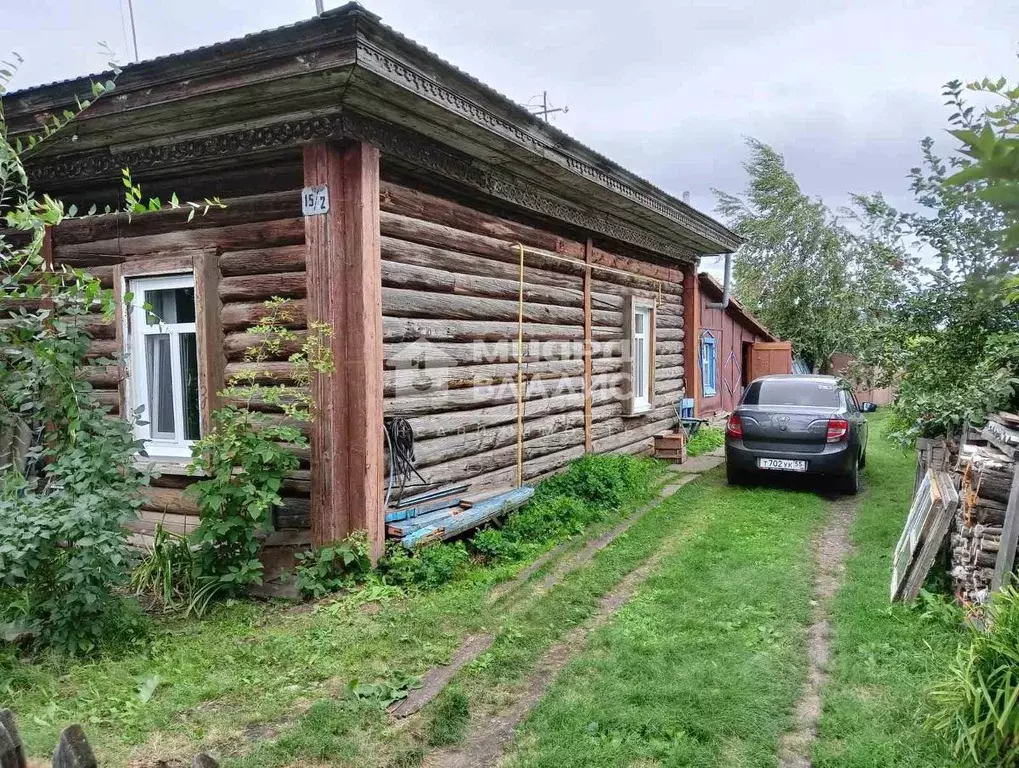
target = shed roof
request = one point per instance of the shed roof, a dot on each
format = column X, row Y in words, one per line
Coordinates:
column 344, row 74
column 710, row 286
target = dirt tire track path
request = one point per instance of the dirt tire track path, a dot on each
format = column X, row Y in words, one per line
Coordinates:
column 830, row 551
column 490, row 734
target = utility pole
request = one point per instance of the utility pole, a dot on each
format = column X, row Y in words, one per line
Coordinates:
column 543, row 110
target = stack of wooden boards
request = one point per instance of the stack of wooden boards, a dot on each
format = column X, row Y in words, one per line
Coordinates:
column 444, row 519
column 969, row 492
column 980, row 544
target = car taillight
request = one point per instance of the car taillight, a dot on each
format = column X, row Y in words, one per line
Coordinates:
column 837, row 429
column 735, row 427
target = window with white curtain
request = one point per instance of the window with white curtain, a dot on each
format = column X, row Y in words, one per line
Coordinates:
column 642, row 362
column 163, row 363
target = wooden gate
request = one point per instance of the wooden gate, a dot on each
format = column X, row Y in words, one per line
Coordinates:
column 770, row 357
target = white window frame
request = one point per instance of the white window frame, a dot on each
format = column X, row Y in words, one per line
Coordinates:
column 643, row 395
column 137, row 329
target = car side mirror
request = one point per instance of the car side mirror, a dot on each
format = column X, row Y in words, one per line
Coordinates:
column 867, row 406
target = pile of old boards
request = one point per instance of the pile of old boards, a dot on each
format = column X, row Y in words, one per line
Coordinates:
column 965, row 491
column 983, row 543
column 442, row 519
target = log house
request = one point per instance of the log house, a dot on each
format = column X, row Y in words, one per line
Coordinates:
column 517, row 297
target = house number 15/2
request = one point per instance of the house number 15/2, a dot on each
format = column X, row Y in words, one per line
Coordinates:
column 315, row 200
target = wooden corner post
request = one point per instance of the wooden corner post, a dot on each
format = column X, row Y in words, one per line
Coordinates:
column 345, row 290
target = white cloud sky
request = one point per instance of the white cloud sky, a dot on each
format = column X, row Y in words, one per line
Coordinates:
column 845, row 90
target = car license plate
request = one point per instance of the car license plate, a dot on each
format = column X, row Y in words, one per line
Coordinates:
column 788, row 465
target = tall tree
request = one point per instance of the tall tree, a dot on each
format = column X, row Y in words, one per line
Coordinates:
column 802, row 271
column 951, row 347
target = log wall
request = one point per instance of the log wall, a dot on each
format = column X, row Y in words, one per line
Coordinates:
column 450, row 286
column 256, row 247
column 450, row 277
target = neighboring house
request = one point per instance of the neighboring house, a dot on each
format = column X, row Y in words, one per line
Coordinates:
column 732, row 349
column 440, row 193
column 841, row 365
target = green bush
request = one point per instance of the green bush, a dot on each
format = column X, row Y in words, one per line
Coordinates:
column 492, row 546
column 63, row 551
column 430, row 566
column 328, row 569
column 551, row 517
column 592, row 488
column 975, row 705
column 604, row 482
column 705, row 440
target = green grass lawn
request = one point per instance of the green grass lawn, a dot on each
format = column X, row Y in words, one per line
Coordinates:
column 703, row 666
column 262, row 684
column 884, row 657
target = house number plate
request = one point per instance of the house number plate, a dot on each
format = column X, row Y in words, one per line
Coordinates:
column 315, row 200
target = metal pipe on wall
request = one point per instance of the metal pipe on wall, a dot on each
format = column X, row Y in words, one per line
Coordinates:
column 726, row 284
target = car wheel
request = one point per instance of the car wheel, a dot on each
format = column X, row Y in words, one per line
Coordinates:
column 851, row 481
column 863, row 460
column 734, row 476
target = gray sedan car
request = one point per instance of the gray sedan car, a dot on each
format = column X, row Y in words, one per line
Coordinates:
column 801, row 424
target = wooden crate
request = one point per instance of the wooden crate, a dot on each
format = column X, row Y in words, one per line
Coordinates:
column 671, row 446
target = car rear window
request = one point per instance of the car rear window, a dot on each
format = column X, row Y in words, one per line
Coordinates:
column 822, row 394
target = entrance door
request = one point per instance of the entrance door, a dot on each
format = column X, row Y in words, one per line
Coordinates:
column 769, row 357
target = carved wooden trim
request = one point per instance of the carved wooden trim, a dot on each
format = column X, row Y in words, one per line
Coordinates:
column 390, row 139
column 384, row 65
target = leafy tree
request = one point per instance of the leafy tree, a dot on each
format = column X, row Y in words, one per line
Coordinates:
column 991, row 147
column 68, row 484
column 802, row 271
column 950, row 345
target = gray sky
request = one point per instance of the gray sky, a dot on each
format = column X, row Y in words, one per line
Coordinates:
column 845, row 90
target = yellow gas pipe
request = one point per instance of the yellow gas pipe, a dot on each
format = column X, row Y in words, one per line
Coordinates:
column 520, row 331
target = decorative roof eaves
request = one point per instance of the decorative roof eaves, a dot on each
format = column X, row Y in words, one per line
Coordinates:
column 374, row 53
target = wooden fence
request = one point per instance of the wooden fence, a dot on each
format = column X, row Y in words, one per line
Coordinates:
column 73, row 750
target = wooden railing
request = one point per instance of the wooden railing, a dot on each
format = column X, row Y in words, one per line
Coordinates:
column 73, row 750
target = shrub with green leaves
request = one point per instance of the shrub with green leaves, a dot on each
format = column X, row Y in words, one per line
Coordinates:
column 492, row 546
column 334, row 567
column 547, row 518
column 69, row 484
column 63, row 550
column 244, row 458
column 606, row 482
column 976, row 706
column 429, row 566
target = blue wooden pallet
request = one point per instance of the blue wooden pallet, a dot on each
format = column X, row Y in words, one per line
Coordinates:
column 452, row 520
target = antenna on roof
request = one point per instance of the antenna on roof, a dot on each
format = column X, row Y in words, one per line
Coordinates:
column 319, row 8
column 543, row 109
column 134, row 34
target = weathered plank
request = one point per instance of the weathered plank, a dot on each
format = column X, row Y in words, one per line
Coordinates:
column 1005, row 561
